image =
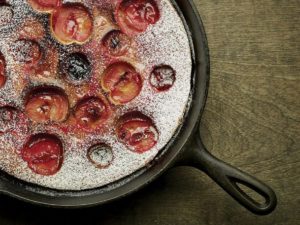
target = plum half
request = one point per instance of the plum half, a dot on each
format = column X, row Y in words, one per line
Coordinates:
column 47, row 104
column 71, row 23
column 116, row 43
column 45, row 5
column 134, row 16
column 122, row 82
column 91, row 112
column 137, row 131
column 43, row 154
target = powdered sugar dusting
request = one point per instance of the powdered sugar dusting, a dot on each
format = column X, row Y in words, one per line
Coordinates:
column 165, row 43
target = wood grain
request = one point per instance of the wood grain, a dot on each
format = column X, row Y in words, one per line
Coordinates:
column 252, row 120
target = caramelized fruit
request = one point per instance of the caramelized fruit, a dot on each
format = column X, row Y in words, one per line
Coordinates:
column 43, row 153
column 71, row 23
column 47, row 104
column 162, row 78
column 100, row 155
column 116, row 43
column 76, row 67
column 134, row 16
column 122, row 82
column 137, row 131
column 45, row 5
column 91, row 112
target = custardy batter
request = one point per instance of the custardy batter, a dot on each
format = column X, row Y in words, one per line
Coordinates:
column 90, row 91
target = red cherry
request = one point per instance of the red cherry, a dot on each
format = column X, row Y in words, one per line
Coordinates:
column 2, row 71
column 71, row 24
column 122, row 82
column 91, row 112
column 134, row 16
column 116, row 43
column 137, row 131
column 26, row 51
column 44, row 154
column 45, row 5
column 47, row 104
column 162, row 78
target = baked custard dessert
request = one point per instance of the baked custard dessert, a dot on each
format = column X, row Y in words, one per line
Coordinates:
column 90, row 90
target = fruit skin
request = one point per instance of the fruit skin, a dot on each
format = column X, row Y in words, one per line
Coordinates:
column 105, row 149
column 116, row 43
column 47, row 104
column 91, row 113
column 46, row 6
column 71, row 23
column 162, row 78
column 137, row 131
column 2, row 71
column 134, row 16
column 76, row 67
column 122, row 82
column 43, row 154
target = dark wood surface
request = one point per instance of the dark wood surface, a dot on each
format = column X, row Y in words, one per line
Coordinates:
column 252, row 120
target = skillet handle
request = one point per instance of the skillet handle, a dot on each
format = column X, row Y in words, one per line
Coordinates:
column 228, row 177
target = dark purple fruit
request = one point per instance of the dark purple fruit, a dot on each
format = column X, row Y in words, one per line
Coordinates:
column 76, row 67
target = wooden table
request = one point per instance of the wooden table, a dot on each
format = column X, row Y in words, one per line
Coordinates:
column 252, row 120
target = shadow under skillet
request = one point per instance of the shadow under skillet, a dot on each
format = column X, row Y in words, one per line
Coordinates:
column 172, row 199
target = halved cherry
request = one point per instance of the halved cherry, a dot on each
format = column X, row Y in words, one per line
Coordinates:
column 26, row 51
column 43, row 153
column 122, row 82
column 72, row 23
column 137, row 131
column 46, row 104
column 101, row 155
column 134, row 16
column 76, row 67
column 162, row 78
column 2, row 71
column 45, row 5
column 116, row 43
column 91, row 112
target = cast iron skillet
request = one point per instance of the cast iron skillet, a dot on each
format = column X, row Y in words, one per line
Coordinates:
column 186, row 145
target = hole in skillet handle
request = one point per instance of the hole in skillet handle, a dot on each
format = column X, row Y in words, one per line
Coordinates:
column 247, row 190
